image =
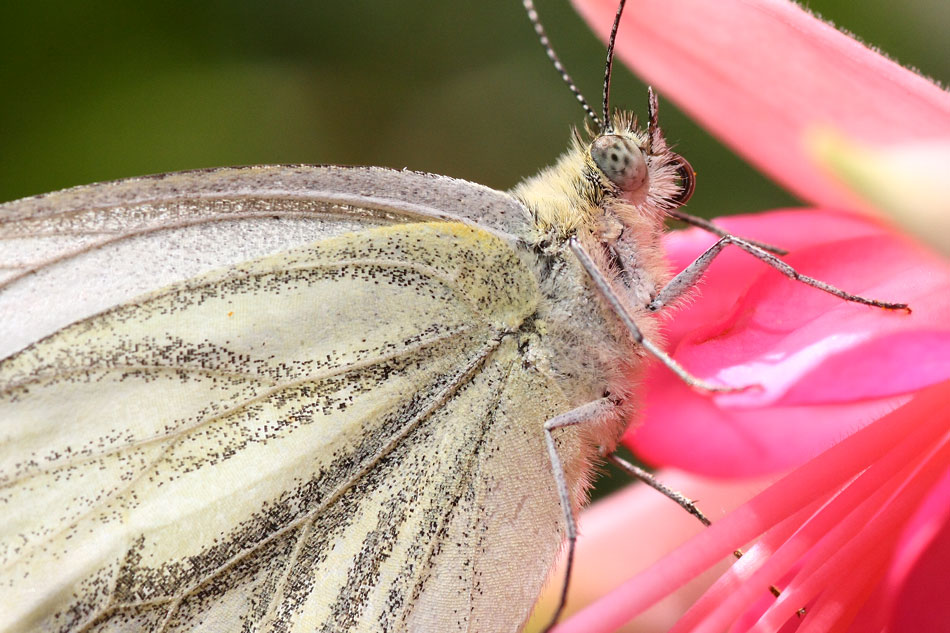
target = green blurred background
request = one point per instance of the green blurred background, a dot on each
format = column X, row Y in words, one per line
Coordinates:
column 106, row 89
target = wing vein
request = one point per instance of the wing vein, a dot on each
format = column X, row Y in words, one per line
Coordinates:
column 276, row 388
column 282, row 583
column 470, row 467
column 400, row 208
column 438, row 399
column 426, row 271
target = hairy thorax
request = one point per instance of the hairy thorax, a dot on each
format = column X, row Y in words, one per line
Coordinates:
column 576, row 338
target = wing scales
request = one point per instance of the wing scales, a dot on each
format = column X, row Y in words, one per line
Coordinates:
column 163, row 500
column 416, row 544
column 424, row 541
column 509, row 513
column 70, row 254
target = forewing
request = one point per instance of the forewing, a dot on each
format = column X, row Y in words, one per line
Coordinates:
column 169, row 462
column 70, row 254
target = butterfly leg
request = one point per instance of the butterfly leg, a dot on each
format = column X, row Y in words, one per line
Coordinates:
column 706, row 225
column 674, row 495
column 607, row 292
column 692, row 273
column 678, row 497
column 585, row 413
column 647, row 477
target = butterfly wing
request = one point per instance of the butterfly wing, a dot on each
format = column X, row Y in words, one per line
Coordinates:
column 71, row 254
column 318, row 439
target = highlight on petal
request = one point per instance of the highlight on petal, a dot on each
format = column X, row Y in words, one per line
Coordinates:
column 828, row 534
column 822, row 367
column 907, row 183
column 759, row 74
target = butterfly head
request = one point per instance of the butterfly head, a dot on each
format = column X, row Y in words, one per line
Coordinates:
column 633, row 165
column 623, row 179
column 617, row 181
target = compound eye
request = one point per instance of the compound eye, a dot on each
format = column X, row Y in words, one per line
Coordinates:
column 620, row 160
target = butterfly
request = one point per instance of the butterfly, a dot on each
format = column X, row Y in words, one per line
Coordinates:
column 322, row 398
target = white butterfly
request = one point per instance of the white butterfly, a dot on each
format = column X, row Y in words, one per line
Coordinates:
column 299, row 398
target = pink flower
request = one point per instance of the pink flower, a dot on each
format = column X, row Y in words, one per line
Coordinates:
column 859, row 534
column 826, row 367
column 854, row 399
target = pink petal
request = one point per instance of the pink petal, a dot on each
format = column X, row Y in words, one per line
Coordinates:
column 760, row 74
column 922, row 605
column 917, row 571
column 823, row 367
column 859, row 542
column 848, row 529
column 893, row 445
column 733, row 580
column 792, row 229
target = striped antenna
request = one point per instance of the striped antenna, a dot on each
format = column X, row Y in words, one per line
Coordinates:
column 609, row 68
column 543, row 37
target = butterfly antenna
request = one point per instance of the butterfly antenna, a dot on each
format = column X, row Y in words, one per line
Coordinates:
column 610, row 62
column 546, row 43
